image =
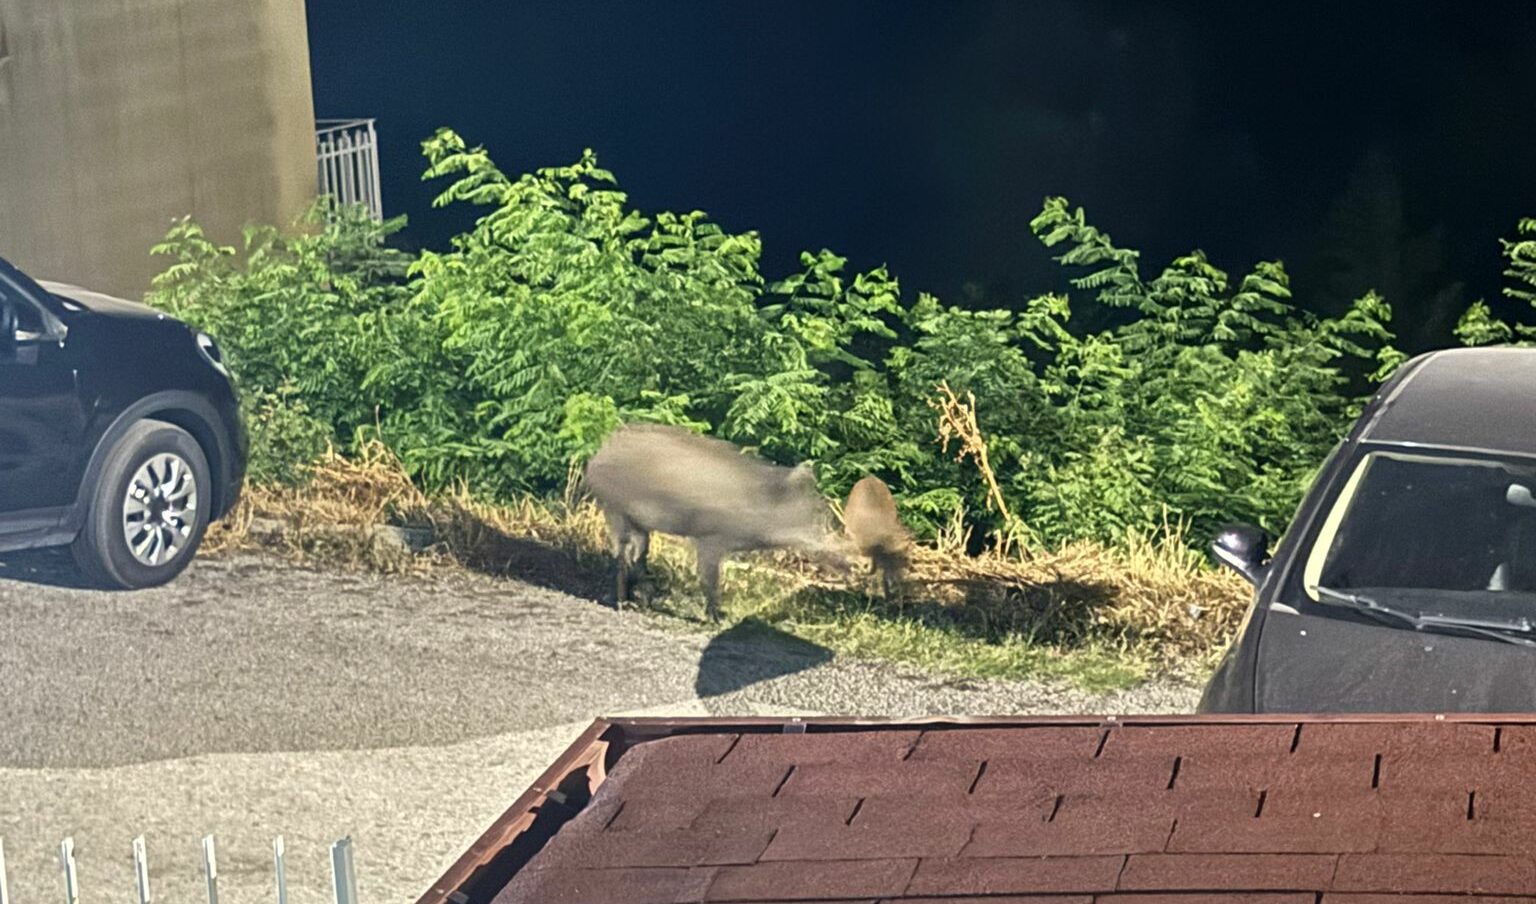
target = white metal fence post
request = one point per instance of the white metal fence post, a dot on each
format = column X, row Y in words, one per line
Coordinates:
column 330, row 163
column 141, row 869
column 211, row 869
column 278, row 866
column 375, row 195
column 5, row 893
column 71, row 881
column 347, row 159
column 343, row 874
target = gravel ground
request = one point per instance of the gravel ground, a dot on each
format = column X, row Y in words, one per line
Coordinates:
column 253, row 697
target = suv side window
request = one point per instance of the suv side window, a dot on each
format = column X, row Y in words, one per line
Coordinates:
column 28, row 318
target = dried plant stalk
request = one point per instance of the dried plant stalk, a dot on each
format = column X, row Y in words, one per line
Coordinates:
column 957, row 422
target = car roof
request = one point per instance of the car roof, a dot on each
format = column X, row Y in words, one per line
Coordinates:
column 1475, row 399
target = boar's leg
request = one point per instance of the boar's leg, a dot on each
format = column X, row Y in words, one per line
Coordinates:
column 621, row 582
column 709, row 558
column 624, row 538
column 640, row 548
column 636, row 550
column 889, row 566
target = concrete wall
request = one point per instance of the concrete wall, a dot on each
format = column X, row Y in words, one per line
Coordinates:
column 117, row 116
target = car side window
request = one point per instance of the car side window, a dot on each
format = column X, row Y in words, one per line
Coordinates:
column 28, row 318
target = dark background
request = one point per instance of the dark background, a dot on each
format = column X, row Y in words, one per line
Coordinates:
column 1365, row 146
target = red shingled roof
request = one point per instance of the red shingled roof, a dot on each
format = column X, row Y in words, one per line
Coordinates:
column 1331, row 811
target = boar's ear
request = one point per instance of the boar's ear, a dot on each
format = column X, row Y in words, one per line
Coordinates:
column 803, row 474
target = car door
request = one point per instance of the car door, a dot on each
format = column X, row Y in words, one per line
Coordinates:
column 41, row 421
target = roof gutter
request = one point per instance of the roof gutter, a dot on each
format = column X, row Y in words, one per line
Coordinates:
column 638, row 730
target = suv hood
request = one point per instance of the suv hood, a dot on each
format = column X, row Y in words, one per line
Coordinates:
column 97, row 303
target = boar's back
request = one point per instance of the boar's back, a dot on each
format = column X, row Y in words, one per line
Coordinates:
column 671, row 480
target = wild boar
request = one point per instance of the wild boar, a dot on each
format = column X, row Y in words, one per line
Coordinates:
column 876, row 531
column 659, row 478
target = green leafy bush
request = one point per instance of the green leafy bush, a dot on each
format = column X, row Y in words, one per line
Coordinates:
column 285, row 438
column 297, row 306
column 501, row 361
column 1479, row 325
column 560, row 314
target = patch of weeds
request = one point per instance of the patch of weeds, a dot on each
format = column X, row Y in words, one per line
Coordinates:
column 1098, row 617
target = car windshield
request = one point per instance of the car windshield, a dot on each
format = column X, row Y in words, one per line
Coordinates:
column 1432, row 534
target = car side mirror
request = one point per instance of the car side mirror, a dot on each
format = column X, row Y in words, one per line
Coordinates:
column 1243, row 548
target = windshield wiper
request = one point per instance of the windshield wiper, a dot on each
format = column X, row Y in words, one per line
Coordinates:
column 1494, row 628
column 1365, row 603
column 1522, row 625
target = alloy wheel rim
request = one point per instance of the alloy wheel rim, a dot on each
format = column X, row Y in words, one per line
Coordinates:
column 160, row 509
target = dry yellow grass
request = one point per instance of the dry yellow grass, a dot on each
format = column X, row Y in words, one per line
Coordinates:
column 1150, row 606
column 334, row 517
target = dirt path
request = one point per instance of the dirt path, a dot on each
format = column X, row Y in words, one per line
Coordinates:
column 254, row 698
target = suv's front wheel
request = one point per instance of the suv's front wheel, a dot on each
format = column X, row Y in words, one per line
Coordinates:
column 147, row 512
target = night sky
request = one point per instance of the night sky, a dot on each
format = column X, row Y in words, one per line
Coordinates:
column 1384, row 146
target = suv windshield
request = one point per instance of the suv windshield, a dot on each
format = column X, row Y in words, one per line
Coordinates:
column 1431, row 535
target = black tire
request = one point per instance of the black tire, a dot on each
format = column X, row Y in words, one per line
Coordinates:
column 102, row 550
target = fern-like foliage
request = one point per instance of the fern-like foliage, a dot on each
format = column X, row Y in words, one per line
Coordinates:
column 1520, row 255
column 295, row 311
column 1478, row 324
column 505, row 358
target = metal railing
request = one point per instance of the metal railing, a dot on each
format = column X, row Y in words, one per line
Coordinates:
column 343, row 871
column 347, row 162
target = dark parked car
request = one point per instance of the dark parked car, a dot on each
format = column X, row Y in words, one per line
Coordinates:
column 120, row 434
column 1407, row 580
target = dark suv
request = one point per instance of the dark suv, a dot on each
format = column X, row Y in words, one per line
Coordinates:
column 1407, row 580
column 120, row 433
